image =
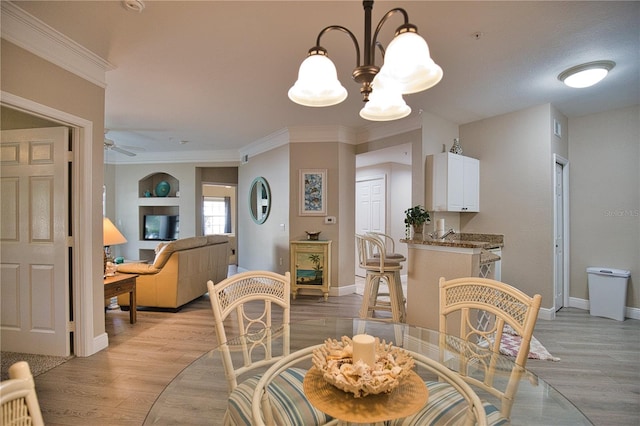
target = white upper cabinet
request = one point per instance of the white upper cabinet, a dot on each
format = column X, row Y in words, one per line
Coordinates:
column 453, row 183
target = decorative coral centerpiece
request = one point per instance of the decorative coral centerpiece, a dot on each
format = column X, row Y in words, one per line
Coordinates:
column 335, row 360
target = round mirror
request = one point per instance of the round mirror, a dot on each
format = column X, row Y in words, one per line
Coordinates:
column 259, row 200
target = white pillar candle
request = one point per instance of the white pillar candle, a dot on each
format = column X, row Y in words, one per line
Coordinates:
column 364, row 349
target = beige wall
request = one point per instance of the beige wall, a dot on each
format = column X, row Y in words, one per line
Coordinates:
column 339, row 161
column 28, row 76
column 516, row 194
column 346, row 198
column 604, row 150
column 262, row 246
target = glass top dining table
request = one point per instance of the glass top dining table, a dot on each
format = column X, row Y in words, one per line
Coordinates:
column 198, row 394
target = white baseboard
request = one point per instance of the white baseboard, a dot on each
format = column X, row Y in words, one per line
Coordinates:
column 629, row 312
column 342, row 290
column 99, row 343
column 547, row 314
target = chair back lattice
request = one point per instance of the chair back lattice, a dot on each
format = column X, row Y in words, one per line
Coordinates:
column 483, row 308
column 251, row 296
column 18, row 398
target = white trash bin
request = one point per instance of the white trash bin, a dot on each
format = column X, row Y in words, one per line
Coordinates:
column 607, row 292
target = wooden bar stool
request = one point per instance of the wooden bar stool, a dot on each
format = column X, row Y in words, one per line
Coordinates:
column 389, row 247
column 379, row 268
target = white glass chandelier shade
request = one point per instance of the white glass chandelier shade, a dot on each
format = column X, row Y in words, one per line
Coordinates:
column 317, row 84
column 586, row 75
column 408, row 61
column 385, row 101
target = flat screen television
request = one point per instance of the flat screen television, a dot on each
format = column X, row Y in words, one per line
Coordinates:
column 161, row 227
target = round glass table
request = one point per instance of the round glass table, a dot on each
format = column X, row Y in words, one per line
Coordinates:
column 198, row 395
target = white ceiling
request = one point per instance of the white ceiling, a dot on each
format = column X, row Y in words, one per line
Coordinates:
column 216, row 73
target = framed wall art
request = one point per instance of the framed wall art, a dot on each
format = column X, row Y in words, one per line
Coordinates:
column 313, row 192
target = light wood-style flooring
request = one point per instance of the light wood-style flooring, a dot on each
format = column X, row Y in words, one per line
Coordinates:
column 599, row 369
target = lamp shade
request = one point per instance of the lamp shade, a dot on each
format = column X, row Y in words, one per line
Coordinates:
column 317, row 84
column 408, row 61
column 385, row 101
column 110, row 234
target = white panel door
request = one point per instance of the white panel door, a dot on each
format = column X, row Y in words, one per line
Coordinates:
column 370, row 208
column 33, row 236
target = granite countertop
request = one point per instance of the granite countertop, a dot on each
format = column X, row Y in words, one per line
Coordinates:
column 466, row 240
column 448, row 243
column 492, row 241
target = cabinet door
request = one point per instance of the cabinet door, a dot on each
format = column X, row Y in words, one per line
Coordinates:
column 455, row 183
column 471, row 185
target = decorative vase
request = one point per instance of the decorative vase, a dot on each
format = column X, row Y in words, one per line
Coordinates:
column 162, row 189
column 313, row 235
column 456, row 148
column 417, row 232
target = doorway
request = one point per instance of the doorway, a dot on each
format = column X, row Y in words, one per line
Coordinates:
column 219, row 214
column 371, row 205
column 561, row 233
column 391, row 167
column 35, row 256
column 82, row 257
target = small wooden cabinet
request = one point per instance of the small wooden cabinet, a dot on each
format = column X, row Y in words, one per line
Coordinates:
column 453, row 183
column 310, row 266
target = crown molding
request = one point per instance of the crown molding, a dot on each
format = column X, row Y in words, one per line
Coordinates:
column 328, row 133
column 301, row 134
column 30, row 33
column 229, row 156
column 381, row 130
column 274, row 140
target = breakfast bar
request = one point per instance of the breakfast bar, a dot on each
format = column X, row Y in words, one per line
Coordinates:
column 430, row 259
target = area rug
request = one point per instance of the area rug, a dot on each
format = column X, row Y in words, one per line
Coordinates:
column 37, row 363
column 510, row 344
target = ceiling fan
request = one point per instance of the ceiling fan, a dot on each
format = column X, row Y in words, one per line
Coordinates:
column 110, row 144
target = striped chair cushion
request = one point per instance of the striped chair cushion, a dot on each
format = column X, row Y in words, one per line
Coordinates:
column 446, row 406
column 290, row 406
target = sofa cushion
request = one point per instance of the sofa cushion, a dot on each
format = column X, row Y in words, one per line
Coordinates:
column 137, row 268
column 217, row 239
column 184, row 244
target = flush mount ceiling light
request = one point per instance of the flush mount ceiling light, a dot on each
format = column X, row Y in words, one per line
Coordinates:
column 586, row 75
column 407, row 68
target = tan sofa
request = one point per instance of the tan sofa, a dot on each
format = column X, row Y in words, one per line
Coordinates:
column 179, row 272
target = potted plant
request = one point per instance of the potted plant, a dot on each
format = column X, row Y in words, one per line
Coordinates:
column 416, row 217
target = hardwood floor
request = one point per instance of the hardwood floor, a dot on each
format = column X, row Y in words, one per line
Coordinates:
column 599, row 369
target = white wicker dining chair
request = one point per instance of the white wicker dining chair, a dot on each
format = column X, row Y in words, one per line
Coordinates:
column 252, row 296
column 473, row 412
column 472, row 347
column 18, row 398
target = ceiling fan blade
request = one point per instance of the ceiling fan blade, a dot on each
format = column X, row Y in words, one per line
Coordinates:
column 132, row 148
column 123, row 151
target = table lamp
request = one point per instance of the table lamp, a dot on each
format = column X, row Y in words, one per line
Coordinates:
column 110, row 236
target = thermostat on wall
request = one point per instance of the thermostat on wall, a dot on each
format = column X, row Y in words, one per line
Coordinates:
column 330, row 220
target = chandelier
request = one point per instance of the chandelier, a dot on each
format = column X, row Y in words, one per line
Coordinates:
column 407, row 68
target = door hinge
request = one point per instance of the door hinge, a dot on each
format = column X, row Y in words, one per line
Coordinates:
column 71, row 327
